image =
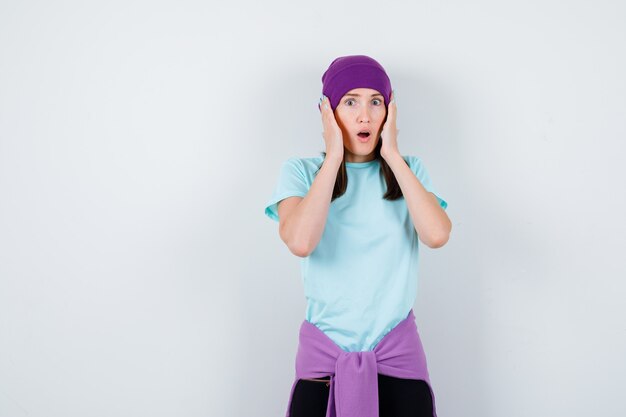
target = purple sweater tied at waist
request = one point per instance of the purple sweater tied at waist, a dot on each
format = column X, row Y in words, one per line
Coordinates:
column 354, row 375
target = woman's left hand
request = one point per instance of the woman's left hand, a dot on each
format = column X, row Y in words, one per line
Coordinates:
column 389, row 134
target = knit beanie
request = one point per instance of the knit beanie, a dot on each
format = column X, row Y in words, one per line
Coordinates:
column 354, row 71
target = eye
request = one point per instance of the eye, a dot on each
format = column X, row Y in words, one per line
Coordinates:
column 348, row 100
column 377, row 99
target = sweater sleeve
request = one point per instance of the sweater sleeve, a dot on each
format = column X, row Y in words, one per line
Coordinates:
column 291, row 182
column 420, row 171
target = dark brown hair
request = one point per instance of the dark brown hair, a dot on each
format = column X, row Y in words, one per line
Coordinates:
column 393, row 192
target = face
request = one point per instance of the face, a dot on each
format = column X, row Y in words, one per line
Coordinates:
column 361, row 110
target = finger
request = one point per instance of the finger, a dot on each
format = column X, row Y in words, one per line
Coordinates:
column 327, row 113
column 391, row 113
column 323, row 106
column 326, row 103
column 392, row 110
column 323, row 109
column 392, row 103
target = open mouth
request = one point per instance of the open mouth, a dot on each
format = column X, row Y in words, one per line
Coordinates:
column 364, row 136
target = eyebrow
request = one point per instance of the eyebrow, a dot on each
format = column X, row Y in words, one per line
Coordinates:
column 359, row 95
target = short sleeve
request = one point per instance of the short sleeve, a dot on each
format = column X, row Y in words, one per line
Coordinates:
column 419, row 169
column 291, row 182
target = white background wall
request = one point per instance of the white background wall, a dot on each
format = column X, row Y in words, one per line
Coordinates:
column 140, row 140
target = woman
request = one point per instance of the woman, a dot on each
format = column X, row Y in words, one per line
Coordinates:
column 355, row 216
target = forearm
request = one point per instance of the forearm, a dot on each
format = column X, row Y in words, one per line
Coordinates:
column 430, row 220
column 304, row 227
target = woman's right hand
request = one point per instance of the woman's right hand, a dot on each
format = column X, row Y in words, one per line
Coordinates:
column 332, row 132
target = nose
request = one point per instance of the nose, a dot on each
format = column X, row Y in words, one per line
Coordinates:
column 364, row 114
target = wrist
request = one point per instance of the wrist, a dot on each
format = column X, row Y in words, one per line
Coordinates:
column 392, row 156
column 333, row 159
column 394, row 159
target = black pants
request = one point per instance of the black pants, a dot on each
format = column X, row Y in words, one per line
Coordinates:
column 397, row 397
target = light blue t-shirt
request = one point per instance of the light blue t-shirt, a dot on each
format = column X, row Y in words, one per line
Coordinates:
column 361, row 279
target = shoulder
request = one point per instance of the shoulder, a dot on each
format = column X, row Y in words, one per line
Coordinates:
column 304, row 164
column 413, row 160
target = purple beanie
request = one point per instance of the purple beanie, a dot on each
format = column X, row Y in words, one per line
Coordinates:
column 354, row 71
